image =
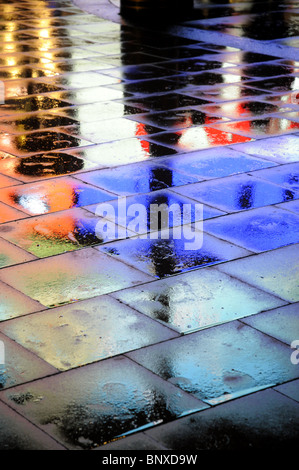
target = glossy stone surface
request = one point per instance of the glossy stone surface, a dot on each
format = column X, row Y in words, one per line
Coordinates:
column 52, row 196
column 78, row 333
column 256, row 128
column 139, row 178
column 199, row 138
column 282, row 150
column 21, row 365
column 22, row 435
column 132, row 397
column 57, row 233
column 198, row 299
column 140, row 213
column 163, row 255
column 216, row 163
column 240, row 424
column 237, row 193
column 71, row 276
column 10, row 254
column 270, row 271
column 280, row 323
column 224, row 371
column 43, row 166
column 285, row 175
column 14, row 303
column 257, row 230
column 8, row 213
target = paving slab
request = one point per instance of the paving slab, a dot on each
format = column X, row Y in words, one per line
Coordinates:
column 78, row 333
column 221, row 363
column 264, row 420
column 14, row 303
column 257, row 230
column 115, row 390
column 20, row 434
column 198, row 299
column 53, row 234
column 275, row 271
column 20, row 365
column 237, row 193
column 71, row 276
column 280, row 323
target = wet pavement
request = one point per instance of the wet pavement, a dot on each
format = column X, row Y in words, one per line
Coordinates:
column 123, row 335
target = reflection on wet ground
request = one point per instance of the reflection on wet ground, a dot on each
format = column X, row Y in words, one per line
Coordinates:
column 255, row 20
column 92, row 111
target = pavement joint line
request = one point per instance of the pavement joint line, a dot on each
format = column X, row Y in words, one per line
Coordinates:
column 40, row 429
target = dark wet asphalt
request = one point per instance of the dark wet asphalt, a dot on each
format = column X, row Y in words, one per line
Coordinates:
column 139, row 340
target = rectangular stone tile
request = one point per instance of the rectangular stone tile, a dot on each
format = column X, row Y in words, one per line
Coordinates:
column 20, row 365
column 292, row 206
column 6, row 181
column 236, row 193
column 241, row 109
column 136, row 178
column 279, row 83
column 268, row 70
column 197, row 300
column 26, row 87
column 82, row 80
column 14, row 304
column 71, row 276
column 89, row 95
column 15, row 106
column 111, row 130
column 57, row 233
column 290, row 389
column 8, row 214
column 44, row 166
column 284, row 149
column 51, row 196
column 118, row 397
column 176, row 210
column 176, row 119
column 221, row 363
column 281, row 323
column 122, row 152
column 17, row 433
column 96, row 111
column 257, row 230
column 22, row 145
column 284, row 175
column 28, row 122
column 275, row 271
column 197, row 138
column 85, row 332
column 9, row 73
column 293, row 116
column 10, row 254
column 133, row 73
column 162, row 254
column 263, row 420
column 215, row 163
column 263, row 127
